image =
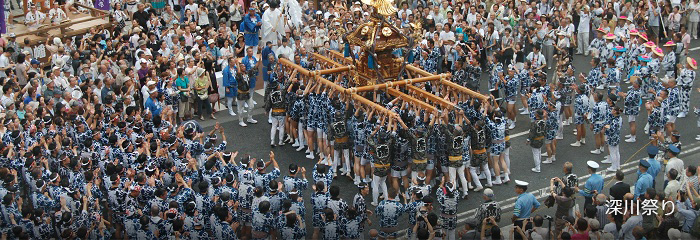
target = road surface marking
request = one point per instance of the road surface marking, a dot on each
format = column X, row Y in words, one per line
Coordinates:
column 261, row 91
column 519, row 134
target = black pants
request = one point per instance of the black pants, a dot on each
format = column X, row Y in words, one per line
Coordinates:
column 203, row 106
column 588, row 201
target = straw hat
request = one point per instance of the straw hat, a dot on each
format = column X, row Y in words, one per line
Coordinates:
column 650, row 44
column 623, row 17
column 610, row 36
column 643, row 36
column 691, row 62
column 634, row 32
column 600, row 29
column 669, row 44
column 658, row 52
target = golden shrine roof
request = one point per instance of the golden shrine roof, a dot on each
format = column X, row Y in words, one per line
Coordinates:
column 378, row 32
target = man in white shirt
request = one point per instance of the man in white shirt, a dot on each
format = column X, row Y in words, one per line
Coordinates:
column 164, row 50
column 192, row 6
column 143, row 48
column 674, row 162
column 145, row 90
column 7, row 98
column 436, row 14
column 34, row 18
column 471, row 16
column 404, row 9
column 273, row 25
column 567, row 27
column 673, row 184
column 285, row 50
column 537, row 58
column 59, row 81
column 5, row 63
column 446, row 33
column 56, row 14
column 584, row 29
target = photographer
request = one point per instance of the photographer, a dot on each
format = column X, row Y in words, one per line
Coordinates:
column 538, row 222
column 423, row 233
column 494, row 232
column 489, row 209
column 565, row 202
column 470, row 230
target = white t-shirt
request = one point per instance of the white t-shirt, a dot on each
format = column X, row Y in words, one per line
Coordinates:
column 537, row 59
column 193, row 8
column 584, row 24
column 471, row 19
column 6, row 101
column 407, row 11
column 60, row 82
column 57, row 15
column 4, row 62
column 446, row 35
column 286, row 51
column 145, row 92
column 34, row 18
column 675, row 3
column 568, row 29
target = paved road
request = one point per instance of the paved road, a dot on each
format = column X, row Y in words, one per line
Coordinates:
column 254, row 140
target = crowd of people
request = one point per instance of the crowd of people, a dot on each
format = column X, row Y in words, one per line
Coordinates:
column 100, row 137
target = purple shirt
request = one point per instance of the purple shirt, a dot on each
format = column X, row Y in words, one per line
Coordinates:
column 142, row 73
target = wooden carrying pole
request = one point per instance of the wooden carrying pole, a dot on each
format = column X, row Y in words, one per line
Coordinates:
column 335, row 70
column 448, row 83
column 418, row 70
column 397, row 83
column 406, row 97
column 329, row 83
column 339, row 55
column 325, row 59
column 299, row 69
column 430, row 96
column 465, row 90
column 373, row 105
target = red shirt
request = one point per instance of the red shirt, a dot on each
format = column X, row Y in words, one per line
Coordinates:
column 580, row 236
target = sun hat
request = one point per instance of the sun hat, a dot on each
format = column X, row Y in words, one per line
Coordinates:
column 691, row 62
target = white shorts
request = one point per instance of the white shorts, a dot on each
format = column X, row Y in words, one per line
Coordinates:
column 320, row 133
column 671, row 119
column 444, row 169
column 310, row 129
column 364, row 161
column 398, row 174
column 511, row 102
column 631, row 118
column 430, row 166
